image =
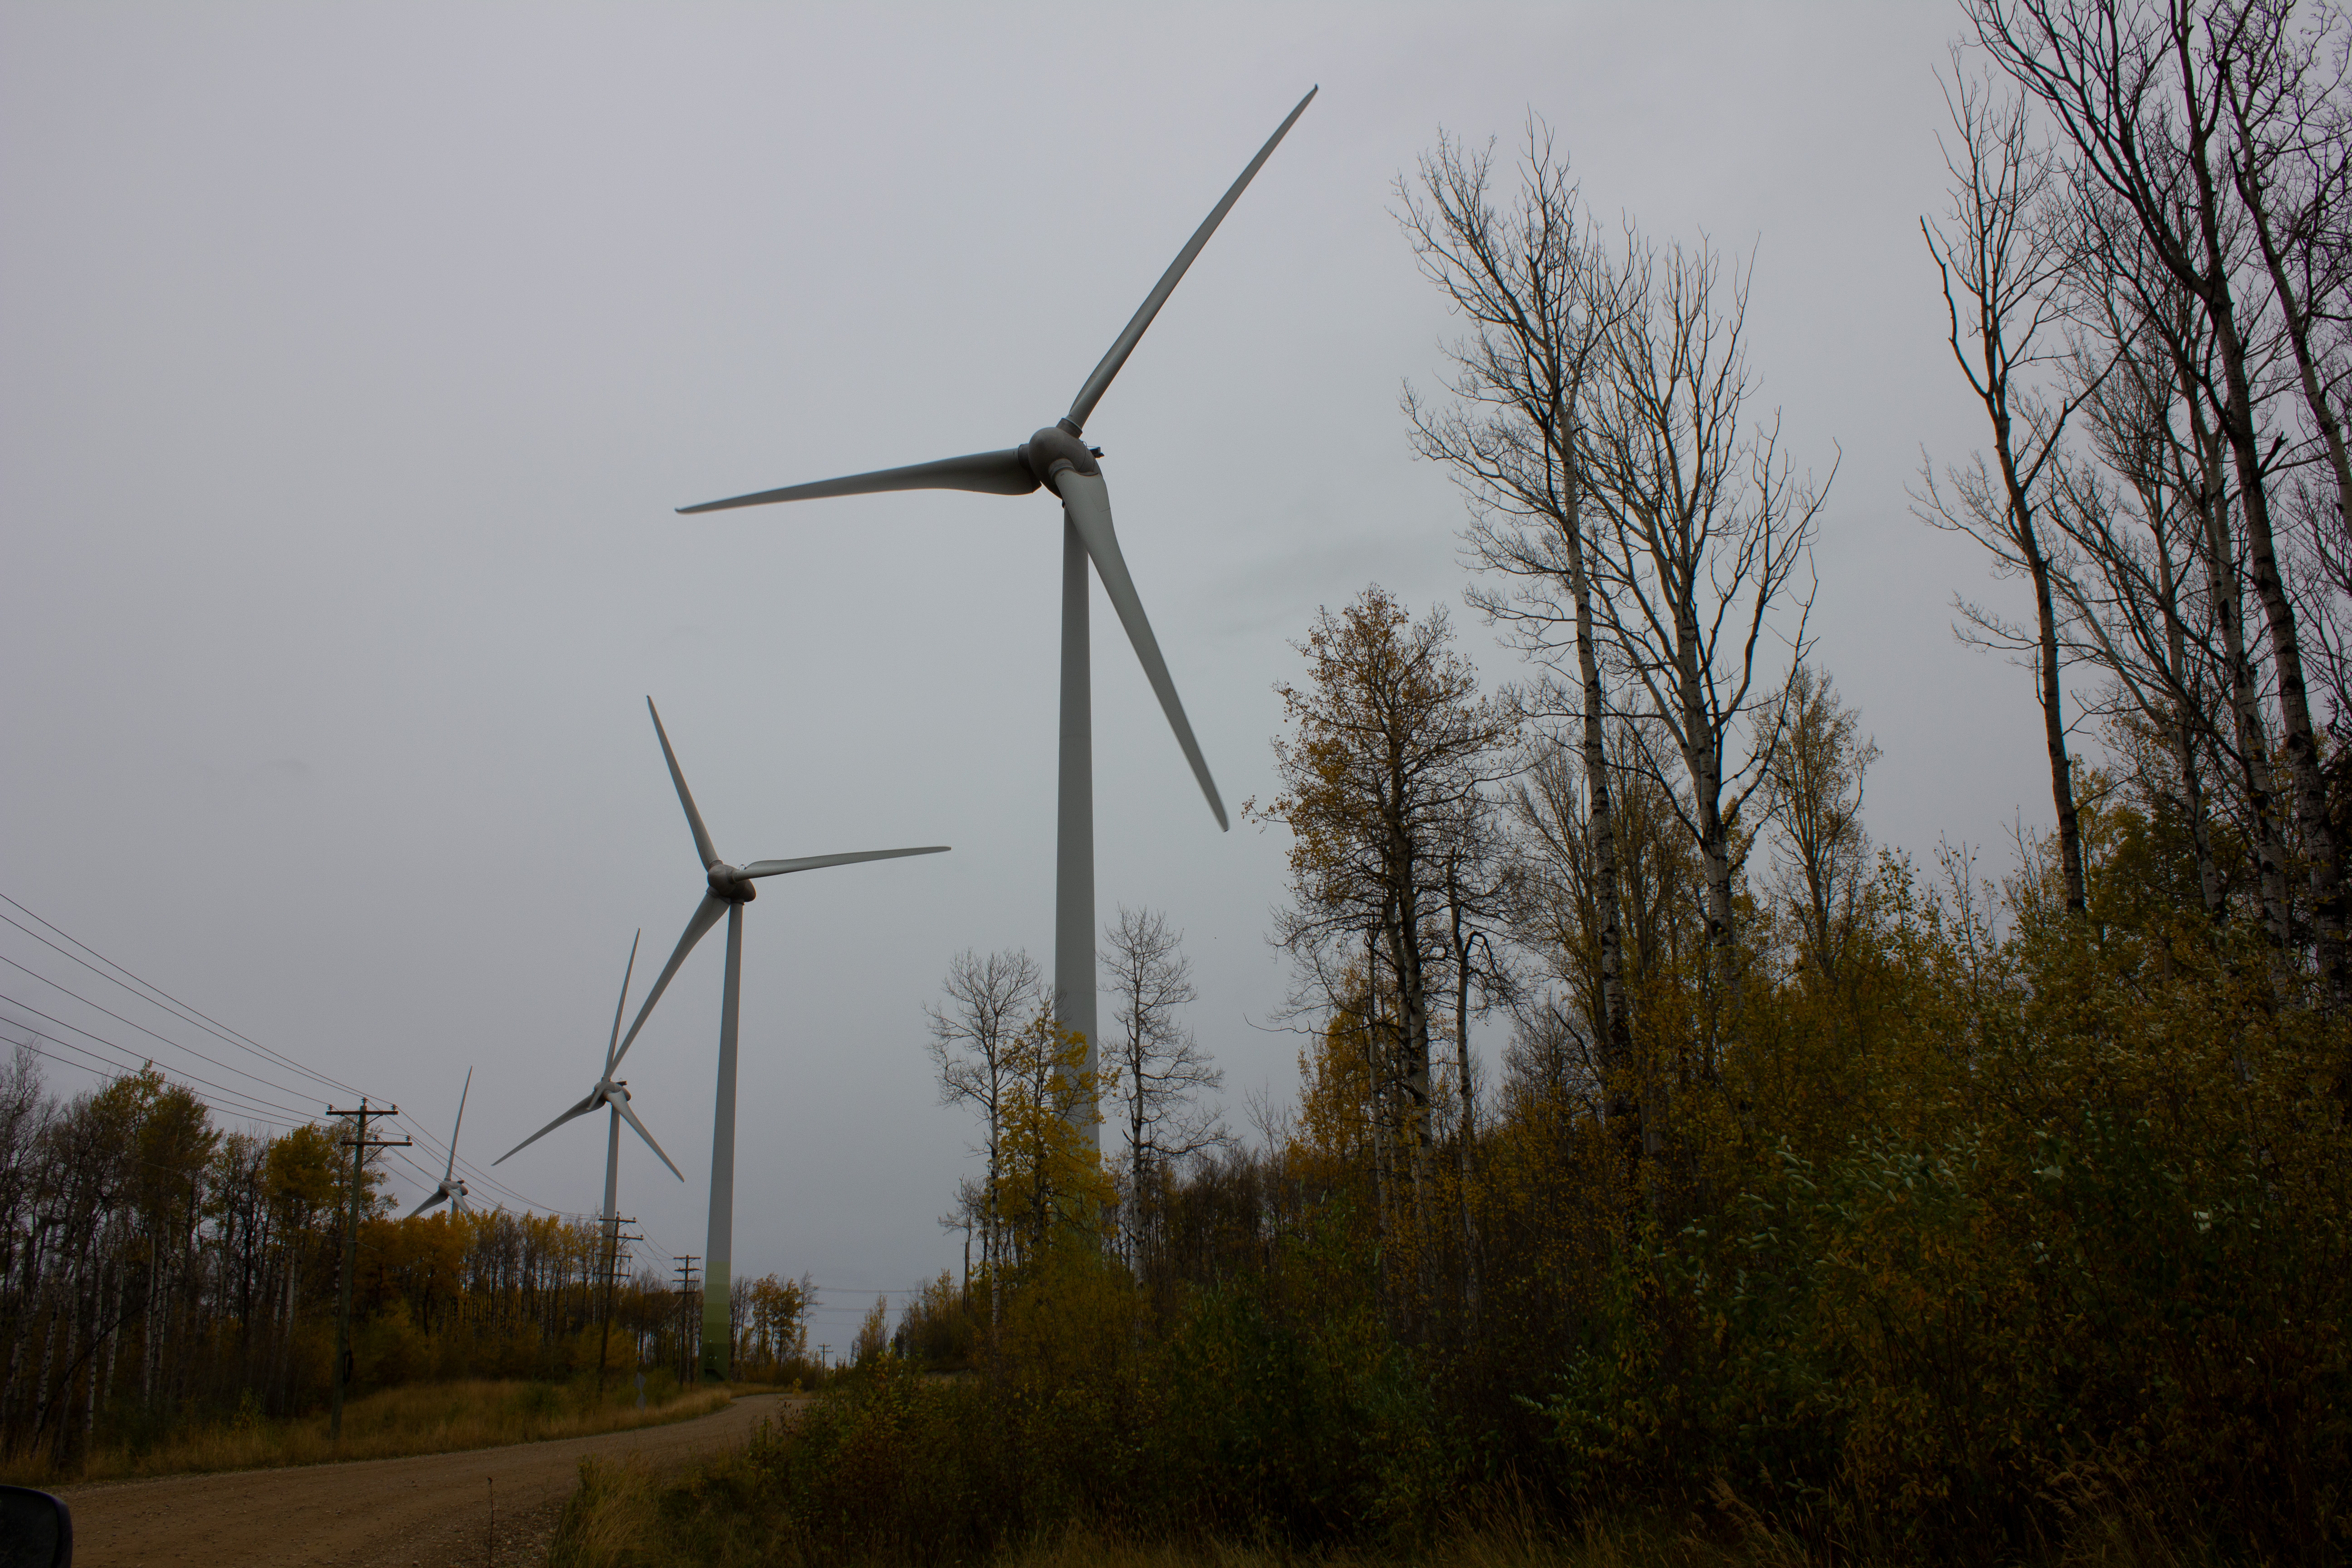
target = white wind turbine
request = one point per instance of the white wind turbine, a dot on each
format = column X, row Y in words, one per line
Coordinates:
column 611, row 1093
column 452, row 1190
column 727, row 889
column 1056, row 458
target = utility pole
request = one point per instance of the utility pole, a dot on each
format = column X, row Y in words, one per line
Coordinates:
column 360, row 1144
column 612, row 1267
column 685, row 1357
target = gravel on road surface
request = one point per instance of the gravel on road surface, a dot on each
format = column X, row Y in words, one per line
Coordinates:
column 427, row 1511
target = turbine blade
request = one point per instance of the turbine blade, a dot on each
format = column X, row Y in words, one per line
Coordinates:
column 420, row 1208
column 621, row 1005
column 1086, row 502
column 582, row 1109
column 631, row 1117
column 812, row 862
column 685, row 797
column 452, row 1168
column 992, row 473
column 706, row 915
column 1099, row 382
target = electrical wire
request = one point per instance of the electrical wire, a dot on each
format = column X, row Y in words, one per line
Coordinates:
column 247, row 1098
column 437, row 1146
column 195, row 1014
column 143, row 1029
column 190, row 1013
column 242, row 1103
column 250, row 1106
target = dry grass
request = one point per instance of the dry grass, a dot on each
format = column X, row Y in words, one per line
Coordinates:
column 425, row 1418
column 615, row 1520
column 1512, row 1546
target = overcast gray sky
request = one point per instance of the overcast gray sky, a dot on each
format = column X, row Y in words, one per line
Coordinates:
column 353, row 359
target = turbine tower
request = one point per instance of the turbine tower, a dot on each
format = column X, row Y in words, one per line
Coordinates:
column 727, row 889
column 451, row 1189
column 1058, row 459
column 611, row 1093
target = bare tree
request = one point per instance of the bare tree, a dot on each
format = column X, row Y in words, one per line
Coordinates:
column 2143, row 96
column 974, row 1033
column 1539, row 300
column 1154, row 1068
column 2135, row 604
column 2291, row 167
column 1708, row 535
column 2003, row 264
column 2162, row 350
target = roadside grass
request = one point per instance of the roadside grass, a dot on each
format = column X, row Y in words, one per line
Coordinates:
column 418, row 1418
column 718, row 1513
column 628, row 1515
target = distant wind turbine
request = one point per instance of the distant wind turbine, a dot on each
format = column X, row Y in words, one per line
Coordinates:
column 727, row 890
column 451, row 1190
column 612, row 1092
column 1056, row 458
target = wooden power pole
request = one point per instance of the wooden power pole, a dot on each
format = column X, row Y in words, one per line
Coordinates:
column 685, row 1356
column 359, row 1143
column 612, row 1267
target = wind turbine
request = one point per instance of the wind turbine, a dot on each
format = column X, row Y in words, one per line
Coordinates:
column 727, row 890
column 451, row 1189
column 614, row 1093
column 1058, row 459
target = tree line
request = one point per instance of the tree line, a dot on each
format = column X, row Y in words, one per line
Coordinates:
column 158, row 1272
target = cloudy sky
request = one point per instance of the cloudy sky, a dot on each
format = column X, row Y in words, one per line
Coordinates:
column 353, row 359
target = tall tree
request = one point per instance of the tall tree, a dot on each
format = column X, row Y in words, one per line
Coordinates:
column 1706, row 550
column 1153, row 1066
column 1390, row 744
column 2002, row 263
column 975, row 1030
column 2160, row 348
column 2140, row 92
column 1539, row 300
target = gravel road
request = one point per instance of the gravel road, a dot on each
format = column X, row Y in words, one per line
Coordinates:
column 429, row 1510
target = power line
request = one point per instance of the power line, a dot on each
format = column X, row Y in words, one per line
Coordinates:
column 477, row 1171
column 241, row 1102
column 223, row 1089
column 233, row 1036
column 423, row 1176
column 175, row 1045
column 251, row 1105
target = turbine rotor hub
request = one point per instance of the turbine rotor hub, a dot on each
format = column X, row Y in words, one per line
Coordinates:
column 1056, row 447
column 731, row 884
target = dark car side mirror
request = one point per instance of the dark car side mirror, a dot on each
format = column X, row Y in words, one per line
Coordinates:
column 35, row 1529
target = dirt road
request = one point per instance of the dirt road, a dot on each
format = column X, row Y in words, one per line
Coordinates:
column 431, row 1511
